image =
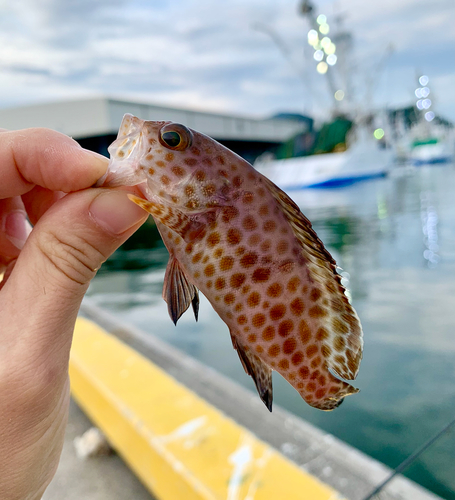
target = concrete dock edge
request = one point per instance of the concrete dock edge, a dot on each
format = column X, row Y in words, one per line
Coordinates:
column 335, row 463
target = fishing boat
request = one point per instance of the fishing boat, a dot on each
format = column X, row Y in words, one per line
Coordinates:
column 363, row 160
column 346, row 150
column 431, row 151
column 431, row 139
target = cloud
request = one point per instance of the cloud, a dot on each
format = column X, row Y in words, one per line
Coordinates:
column 196, row 53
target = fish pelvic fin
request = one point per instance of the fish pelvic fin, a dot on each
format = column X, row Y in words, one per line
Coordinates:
column 178, row 292
column 258, row 370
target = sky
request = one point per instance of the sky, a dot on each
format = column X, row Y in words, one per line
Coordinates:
column 220, row 56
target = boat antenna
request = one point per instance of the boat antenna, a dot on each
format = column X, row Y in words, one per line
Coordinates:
column 406, row 463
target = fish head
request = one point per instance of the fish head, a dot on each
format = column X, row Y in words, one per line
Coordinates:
column 179, row 166
column 125, row 154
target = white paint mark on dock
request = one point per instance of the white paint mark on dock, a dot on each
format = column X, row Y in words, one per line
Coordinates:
column 240, row 459
column 185, row 430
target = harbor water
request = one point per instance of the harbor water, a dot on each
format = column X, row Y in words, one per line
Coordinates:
column 394, row 238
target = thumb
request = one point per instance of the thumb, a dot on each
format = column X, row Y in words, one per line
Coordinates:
column 60, row 257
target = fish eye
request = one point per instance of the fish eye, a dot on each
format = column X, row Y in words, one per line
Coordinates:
column 176, row 136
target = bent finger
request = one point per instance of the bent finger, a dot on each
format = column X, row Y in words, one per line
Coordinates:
column 38, row 201
column 43, row 157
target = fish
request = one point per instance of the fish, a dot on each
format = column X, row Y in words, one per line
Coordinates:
column 236, row 237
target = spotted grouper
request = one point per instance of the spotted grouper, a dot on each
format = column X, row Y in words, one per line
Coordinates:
column 235, row 236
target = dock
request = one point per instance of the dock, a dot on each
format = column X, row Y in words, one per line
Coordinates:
column 182, row 431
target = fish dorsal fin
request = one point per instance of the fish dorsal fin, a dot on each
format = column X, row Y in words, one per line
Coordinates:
column 260, row 372
column 178, row 292
column 322, row 269
column 301, row 226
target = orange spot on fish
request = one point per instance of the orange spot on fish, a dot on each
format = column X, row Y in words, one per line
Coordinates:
column 317, row 312
column 284, row 364
column 241, row 320
column 213, row 239
column 269, row 226
column 293, row 284
column 261, row 274
column 258, row 320
column 254, row 299
column 233, row 237
column 237, row 280
column 229, row 298
column 178, row 171
column 209, row 270
column 289, row 346
column 249, row 224
column 285, row 328
column 228, row 214
column 248, row 198
column 297, row 306
column 274, row 350
column 165, row 180
column 274, row 290
column 322, row 334
column 339, row 343
column 264, row 210
column 277, row 312
column 191, row 162
column 220, row 283
column 249, row 259
column 269, row 333
column 226, row 263
column 315, row 294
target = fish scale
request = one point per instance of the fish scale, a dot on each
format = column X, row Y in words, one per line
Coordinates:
column 240, row 240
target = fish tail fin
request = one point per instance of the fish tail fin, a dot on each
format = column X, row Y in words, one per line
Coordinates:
column 333, row 398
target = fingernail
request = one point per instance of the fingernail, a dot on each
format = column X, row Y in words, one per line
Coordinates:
column 97, row 161
column 114, row 212
column 16, row 228
column 100, row 158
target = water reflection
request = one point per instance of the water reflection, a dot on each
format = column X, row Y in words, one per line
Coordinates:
column 395, row 240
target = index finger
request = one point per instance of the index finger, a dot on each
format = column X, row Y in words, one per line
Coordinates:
column 44, row 157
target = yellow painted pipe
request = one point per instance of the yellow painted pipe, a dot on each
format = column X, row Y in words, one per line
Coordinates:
column 180, row 447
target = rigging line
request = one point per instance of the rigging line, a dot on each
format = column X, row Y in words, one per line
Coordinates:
column 408, row 461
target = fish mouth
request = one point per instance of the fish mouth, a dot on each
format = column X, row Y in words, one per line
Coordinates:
column 121, row 173
column 110, row 180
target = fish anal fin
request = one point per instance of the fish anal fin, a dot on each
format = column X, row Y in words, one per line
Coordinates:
column 259, row 371
column 195, row 304
column 178, row 292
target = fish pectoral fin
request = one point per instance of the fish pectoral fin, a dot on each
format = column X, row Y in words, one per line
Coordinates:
column 178, row 292
column 260, row 372
column 190, row 227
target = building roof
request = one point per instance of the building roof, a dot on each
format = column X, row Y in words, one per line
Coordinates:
column 102, row 116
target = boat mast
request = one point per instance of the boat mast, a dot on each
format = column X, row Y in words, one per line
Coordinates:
column 318, row 27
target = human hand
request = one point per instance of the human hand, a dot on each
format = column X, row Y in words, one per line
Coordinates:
column 45, row 279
